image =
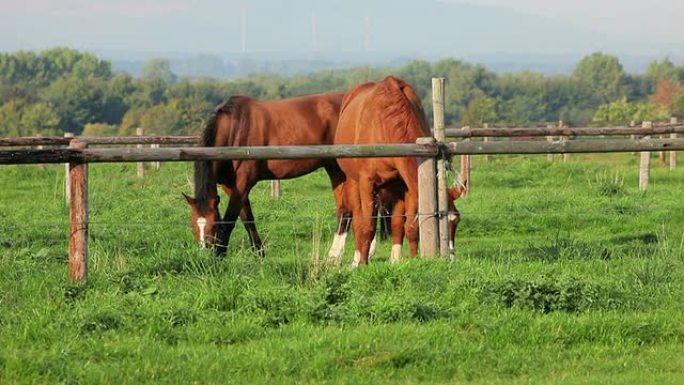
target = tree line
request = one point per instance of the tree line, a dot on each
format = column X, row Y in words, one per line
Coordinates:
column 64, row 90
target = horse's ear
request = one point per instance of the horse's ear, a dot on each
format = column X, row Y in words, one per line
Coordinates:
column 189, row 199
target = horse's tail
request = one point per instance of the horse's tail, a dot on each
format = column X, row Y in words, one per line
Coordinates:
column 205, row 180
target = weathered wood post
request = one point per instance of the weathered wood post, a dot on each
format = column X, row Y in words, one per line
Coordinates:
column 566, row 156
column 487, row 157
column 78, row 217
column 465, row 171
column 632, row 124
column 549, row 157
column 141, row 165
column 645, row 163
column 275, row 188
column 67, row 184
column 40, row 166
column 155, row 164
column 673, row 154
column 427, row 203
column 442, row 194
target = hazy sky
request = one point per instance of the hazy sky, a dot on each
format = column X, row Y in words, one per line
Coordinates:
column 193, row 25
column 653, row 19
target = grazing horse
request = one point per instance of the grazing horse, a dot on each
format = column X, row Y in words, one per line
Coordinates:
column 387, row 111
column 243, row 121
column 387, row 200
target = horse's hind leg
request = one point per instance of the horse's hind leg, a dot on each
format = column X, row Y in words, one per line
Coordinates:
column 364, row 232
column 337, row 179
column 398, row 220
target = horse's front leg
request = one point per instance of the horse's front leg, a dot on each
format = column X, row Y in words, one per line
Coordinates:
column 238, row 197
column 247, row 218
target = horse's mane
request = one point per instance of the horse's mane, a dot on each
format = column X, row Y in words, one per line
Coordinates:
column 205, row 180
column 403, row 111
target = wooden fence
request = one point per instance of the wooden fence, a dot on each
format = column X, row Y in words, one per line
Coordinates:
column 562, row 133
column 431, row 152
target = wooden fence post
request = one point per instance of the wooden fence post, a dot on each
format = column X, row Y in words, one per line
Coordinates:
column 465, row 170
column 78, row 217
column 442, row 194
column 632, row 123
column 673, row 154
column 141, row 165
column 40, row 166
column 427, row 203
column 645, row 163
column 549, row 157
column 487, row 157
column 67, row 183
column 275, row 188
column 156, row 164
column 566, row 157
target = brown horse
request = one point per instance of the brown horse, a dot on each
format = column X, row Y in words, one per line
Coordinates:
column 387, row 201
column 387, row 111
column 243, row 121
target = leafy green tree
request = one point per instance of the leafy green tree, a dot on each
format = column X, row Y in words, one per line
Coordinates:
column 76, row 101
column 40, row 118
column 647, row 111
column 164, row 119
column 602, row 78
column 158, row 69
column 131, row 121
column 662, row 70
column 99, row 129
column 481, row 109
column 618, row 112
column 10, row 119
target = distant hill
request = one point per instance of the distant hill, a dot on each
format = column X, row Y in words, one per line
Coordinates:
column 287, row 37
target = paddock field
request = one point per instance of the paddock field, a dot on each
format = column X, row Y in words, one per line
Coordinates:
column 566, row 274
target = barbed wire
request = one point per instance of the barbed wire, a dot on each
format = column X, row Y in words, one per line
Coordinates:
column 465, row 215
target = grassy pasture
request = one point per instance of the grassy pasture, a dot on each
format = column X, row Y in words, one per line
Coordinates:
column 566, row 274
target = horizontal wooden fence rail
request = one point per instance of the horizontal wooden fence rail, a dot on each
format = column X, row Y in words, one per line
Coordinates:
column 179, row 154
column 99, row 140
column 450, row 132
column 561, row 147
column 561, row 131
column 176, row 154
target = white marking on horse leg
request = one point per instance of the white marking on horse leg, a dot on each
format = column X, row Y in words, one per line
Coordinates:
column 395, row 256
column 337, row 248
column 202, row 223
column 357, row 259
column 452, row 251
column 373, row 246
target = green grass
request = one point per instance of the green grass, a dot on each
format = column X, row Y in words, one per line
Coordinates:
column 566, row 274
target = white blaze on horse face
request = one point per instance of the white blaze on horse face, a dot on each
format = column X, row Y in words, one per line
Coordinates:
column 395, row 256
column 202, row 223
